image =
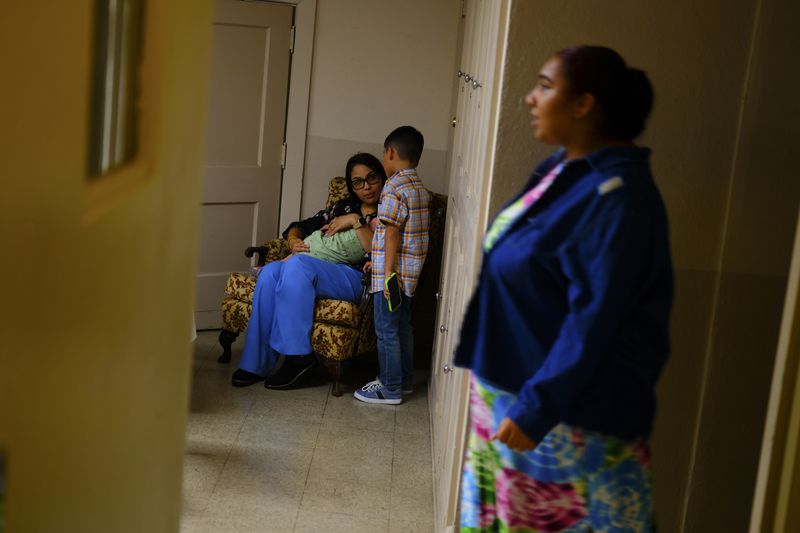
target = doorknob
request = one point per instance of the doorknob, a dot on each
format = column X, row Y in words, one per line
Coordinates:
column 442, row 329
column 447, row 368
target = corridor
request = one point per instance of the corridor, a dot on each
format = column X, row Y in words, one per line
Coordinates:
column 258, row 460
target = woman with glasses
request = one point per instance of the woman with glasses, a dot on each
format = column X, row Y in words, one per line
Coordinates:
column 328, row 251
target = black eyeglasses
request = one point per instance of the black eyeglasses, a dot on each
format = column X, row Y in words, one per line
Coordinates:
column 372, row 178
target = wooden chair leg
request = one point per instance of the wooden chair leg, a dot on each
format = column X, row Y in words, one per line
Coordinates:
column 334, row 369
column 337, row 390
column 226, row 339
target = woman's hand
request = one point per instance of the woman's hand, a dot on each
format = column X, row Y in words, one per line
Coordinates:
column 297, row 245
column 512, row 436
column 341, row 223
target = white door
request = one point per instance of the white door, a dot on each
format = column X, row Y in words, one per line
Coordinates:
column 246, row 123
column 470, row 176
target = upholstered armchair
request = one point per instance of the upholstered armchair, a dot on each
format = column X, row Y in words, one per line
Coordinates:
column 341, row 330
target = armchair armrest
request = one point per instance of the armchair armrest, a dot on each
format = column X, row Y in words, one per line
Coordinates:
column 272, row 250
column 260, row 251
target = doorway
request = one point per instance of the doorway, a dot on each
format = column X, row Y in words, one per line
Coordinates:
column 245, row 142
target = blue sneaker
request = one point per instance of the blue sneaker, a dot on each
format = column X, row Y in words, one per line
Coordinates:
column 375, row 392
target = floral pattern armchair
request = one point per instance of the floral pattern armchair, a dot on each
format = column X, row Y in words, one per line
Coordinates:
column 342, row 330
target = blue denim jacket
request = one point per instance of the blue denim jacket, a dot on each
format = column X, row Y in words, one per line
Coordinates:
column 572, row 306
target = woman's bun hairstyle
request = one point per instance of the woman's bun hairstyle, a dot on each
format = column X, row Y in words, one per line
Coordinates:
column 624, row 95
column 638, row 102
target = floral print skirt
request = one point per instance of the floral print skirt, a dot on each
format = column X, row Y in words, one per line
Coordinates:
column 573, row 481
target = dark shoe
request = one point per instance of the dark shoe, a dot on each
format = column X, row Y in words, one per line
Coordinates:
column 243, row 378
column 293, row 370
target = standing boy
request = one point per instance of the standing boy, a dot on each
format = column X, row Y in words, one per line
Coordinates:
column 399, row 246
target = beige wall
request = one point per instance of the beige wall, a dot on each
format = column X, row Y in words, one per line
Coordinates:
column 97, row 279
column 731, row 220
column 379, row 64
column 761, row 220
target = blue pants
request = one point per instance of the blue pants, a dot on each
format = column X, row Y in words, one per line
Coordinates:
column 395, row 343
column 283, row 307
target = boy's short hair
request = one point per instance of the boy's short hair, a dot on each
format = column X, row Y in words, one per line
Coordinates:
column 408, row 142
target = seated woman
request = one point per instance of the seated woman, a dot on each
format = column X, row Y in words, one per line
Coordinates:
column 328, row 250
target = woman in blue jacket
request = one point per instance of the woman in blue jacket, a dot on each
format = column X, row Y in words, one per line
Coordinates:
column 567, row 331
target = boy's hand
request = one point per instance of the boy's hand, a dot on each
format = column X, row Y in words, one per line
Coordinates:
column 367, row 268
column 512, row 436
column 386, row 275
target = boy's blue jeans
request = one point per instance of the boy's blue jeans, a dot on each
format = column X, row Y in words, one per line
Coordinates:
column 395, row 343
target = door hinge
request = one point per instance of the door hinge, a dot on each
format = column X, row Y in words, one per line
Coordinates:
column 283, row 156
column 291, row 39
column 463, row 9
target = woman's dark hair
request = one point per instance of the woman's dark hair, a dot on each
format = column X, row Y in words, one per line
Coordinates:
column 367, row 160
column 624, row 95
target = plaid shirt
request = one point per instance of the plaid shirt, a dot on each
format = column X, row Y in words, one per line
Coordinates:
column 404, row 203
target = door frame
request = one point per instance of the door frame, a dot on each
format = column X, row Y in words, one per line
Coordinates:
column 490, row 67
column 778, row 478
column 305, row 16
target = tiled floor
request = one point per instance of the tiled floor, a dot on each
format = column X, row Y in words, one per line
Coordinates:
column 301, row 461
